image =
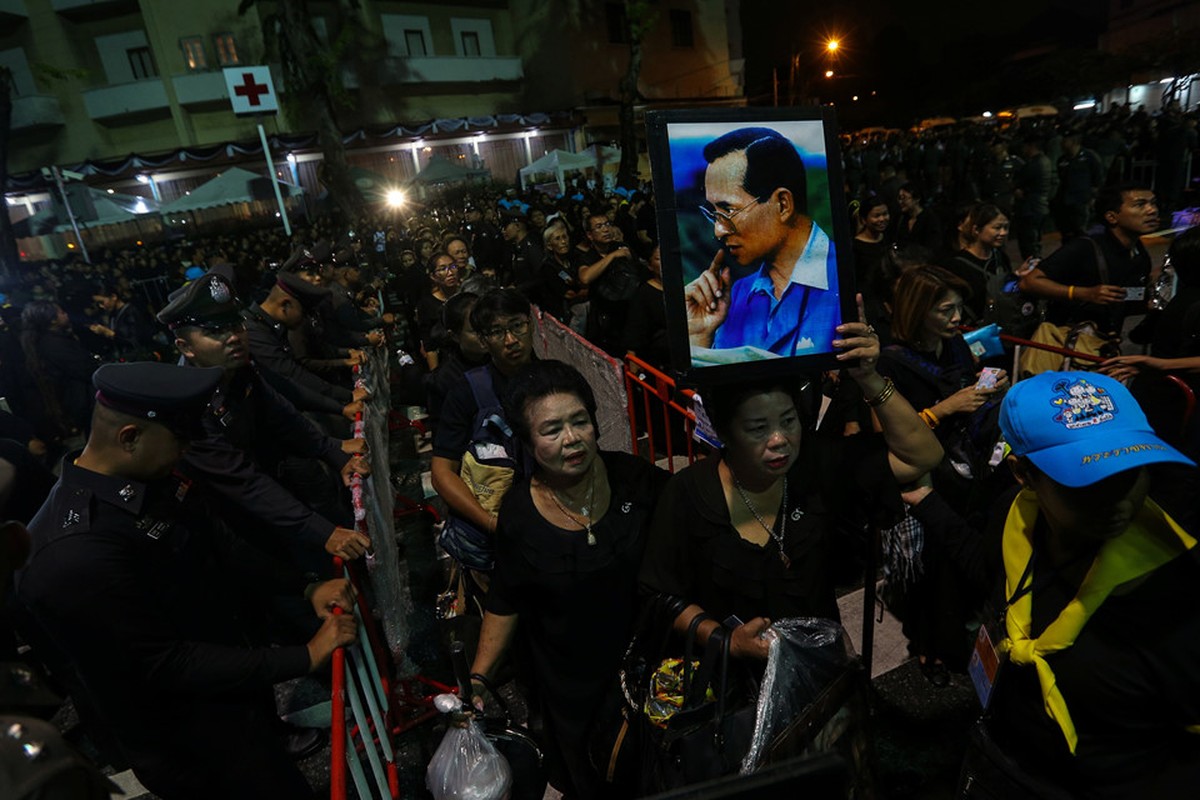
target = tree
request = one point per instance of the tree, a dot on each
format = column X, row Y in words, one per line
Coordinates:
column 640, row 17
column 10, row 256
column 312, row 89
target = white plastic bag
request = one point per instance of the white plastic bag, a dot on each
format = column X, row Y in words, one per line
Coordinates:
column 467, row 767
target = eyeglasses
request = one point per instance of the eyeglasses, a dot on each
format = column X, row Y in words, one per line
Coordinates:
column 726, row 217
column 518, row 329
column 602, row 226
column 445, row 269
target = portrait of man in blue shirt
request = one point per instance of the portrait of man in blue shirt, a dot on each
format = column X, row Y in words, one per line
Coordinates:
column 756, row 191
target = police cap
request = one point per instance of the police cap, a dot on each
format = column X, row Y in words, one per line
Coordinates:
column 207, row 300
column 308, row 295
column 168, row 394
column 301, row 260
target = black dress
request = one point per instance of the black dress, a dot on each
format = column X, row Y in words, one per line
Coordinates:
column 577, row 603
column 696, row 554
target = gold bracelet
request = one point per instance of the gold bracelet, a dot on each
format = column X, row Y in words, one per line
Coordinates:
column 889, row 389
column 1070, row 292
column 930, row 418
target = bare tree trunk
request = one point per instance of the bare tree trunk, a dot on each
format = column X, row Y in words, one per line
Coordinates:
column 9, row 255
column 627, row 171
column 308, row 81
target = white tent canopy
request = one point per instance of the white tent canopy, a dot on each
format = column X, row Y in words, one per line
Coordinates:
column 110, row 209
column 557, row 162
column 234, row 185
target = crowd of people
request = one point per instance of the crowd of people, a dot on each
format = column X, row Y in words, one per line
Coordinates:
column 183, row 515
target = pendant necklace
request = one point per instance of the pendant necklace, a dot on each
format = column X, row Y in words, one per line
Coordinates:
column 586, row 522
column 777, row 536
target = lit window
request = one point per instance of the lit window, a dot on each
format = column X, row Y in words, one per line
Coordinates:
column 414, row 41
column 141, row 63
column 470, row 43
column 193, row 53
column 226, row 47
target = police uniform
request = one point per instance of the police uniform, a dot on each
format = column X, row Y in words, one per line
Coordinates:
column 248, row 428
column 272, row 352
column 140, row 590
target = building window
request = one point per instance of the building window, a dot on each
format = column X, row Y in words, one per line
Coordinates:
column 226, row 47
column 194, row 57
column 470, row 44
column 618, row 25
column 681, row 28
column 414, row 41
column 141, row 63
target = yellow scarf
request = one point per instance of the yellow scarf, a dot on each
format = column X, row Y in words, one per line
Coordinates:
column 1152, row 540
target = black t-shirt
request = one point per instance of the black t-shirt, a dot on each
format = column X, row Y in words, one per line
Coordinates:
column 977, row 272
column 454, row 428
column 429, row 322
column 695, row 553
column 1178, row 332
column 646, row 326
column 1074, row 264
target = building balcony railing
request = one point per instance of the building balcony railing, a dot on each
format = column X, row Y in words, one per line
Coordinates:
column 36, row 112
column 80, row 10
column 443, row 70
column 200, row 88
column 127, row 103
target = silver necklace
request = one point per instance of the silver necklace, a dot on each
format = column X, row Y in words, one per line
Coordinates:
column 586, row 522
column 777, row 536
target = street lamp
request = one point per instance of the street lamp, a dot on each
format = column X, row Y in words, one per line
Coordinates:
column 832, row 45
column 828, row 73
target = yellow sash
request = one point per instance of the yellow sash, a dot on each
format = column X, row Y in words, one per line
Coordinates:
column 1152, row 540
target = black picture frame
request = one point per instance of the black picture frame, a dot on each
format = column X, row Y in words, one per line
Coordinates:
column 688, row 241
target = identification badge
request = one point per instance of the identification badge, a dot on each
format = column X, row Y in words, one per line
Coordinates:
column 984, row 665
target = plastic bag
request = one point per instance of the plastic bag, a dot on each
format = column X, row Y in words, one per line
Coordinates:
column 467, row 767
column 806, row 655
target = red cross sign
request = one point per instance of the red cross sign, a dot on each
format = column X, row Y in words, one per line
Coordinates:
column 251, row 90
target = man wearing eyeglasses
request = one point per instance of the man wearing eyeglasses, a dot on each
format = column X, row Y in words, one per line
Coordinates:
column 756, row 189
column 472, row 432
column 607, row 267
column 445, row 278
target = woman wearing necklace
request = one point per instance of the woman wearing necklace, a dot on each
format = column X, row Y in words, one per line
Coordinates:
column 568, row 547
column 748, row 536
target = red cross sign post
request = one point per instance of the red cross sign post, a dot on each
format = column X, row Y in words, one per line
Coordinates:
column 251, row 91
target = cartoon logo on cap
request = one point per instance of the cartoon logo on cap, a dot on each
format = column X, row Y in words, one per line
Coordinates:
column 219, row 291
column 1081, row 404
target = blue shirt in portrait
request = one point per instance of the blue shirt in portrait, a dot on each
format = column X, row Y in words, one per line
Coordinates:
column 802, row 320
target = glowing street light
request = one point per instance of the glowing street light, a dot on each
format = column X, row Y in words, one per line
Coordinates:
column 832, row 45
column 828, row 73
column 395, row 198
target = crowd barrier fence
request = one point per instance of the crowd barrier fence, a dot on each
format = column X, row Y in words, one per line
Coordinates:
column 370, row 706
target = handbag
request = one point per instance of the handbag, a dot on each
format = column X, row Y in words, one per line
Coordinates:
column 616, row 741
column 988, row 773
column 1081, row 337
column 703, row 740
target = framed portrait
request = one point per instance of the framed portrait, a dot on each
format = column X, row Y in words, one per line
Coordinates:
column 754, row 238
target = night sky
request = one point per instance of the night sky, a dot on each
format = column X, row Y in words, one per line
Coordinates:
column 922, row 58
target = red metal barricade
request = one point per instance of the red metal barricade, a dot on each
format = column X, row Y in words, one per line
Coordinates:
column 665, row 412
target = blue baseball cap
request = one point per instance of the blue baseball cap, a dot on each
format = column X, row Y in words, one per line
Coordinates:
column 1080, row 428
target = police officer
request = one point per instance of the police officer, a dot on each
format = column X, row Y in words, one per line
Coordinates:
column 310, row 341
column 249, row 428
column 135, row 584
column 267, row 326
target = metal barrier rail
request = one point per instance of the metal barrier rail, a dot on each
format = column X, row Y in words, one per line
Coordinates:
column 380, row 707
column 660, row 395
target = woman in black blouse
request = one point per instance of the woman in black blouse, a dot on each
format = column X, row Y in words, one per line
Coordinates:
column 747, row 537
column 568, row 544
